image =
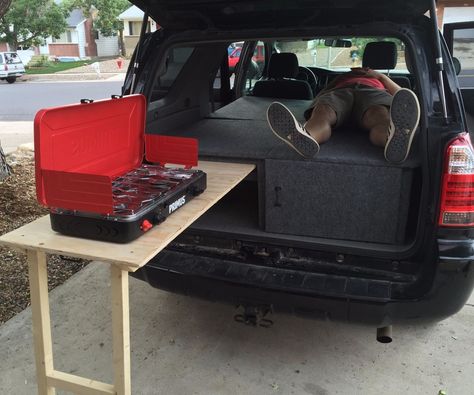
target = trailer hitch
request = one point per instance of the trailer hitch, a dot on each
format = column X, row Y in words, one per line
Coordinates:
column 254, row 316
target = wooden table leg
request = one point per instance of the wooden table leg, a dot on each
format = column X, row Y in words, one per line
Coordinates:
column 121, row 330
column 38, row 278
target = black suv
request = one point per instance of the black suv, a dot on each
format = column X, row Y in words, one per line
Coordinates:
column 346, row 235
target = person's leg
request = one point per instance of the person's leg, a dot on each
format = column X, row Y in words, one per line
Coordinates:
column 391, row 120
column 320, row 123
column 329, row 110
column 376, row 120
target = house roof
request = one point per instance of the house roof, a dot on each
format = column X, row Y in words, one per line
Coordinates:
column 76, row 17
column 131, row 13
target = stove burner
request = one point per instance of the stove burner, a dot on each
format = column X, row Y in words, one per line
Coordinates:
column 141, row 187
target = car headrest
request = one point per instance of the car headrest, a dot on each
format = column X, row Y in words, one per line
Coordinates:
column 283, row 65
column 380, row 55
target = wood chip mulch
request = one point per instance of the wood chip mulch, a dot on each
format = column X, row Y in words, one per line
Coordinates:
column 18, row 206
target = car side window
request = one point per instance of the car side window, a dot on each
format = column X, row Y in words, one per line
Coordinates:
column 463, row 50
column 255, row 68
column 233, row 56
column 176, row 58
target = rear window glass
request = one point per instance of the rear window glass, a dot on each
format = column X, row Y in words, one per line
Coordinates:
column 345, row 52
column 11, row 58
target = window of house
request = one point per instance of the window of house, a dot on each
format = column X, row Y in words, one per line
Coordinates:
column 65, row 37
column 135, row 28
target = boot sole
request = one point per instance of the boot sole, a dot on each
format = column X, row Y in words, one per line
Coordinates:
column 404, row 115
column 284, row 126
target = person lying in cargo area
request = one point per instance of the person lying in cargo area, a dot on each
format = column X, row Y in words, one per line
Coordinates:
column 371, row 99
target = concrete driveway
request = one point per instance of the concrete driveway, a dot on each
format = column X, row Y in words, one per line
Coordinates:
column 185, row 346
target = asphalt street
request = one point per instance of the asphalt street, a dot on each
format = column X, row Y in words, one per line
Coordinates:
column 466, row 78
column 20, row 101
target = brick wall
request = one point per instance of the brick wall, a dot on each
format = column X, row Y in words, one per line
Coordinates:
column 63, row 49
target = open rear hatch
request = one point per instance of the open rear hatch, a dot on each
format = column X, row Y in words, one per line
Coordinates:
column 240, row 15
column 260, row 222
column 359, row 199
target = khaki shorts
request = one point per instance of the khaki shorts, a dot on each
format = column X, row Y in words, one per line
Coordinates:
column 351, row 102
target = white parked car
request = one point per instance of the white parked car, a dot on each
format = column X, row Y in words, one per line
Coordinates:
column 11, row 67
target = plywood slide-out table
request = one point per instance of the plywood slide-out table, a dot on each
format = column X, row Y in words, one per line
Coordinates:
column 37, row 240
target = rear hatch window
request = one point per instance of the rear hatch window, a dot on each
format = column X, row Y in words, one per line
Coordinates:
column 12, row 58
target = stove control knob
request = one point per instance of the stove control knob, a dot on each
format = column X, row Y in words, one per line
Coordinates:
column 146, row 225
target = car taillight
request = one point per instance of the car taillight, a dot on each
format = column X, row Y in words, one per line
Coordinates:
column 6, row 68
column 457, row 193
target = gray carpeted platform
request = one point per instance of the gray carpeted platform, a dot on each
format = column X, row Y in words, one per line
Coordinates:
column 255, row 108
column 347, row 192
column 240, row 130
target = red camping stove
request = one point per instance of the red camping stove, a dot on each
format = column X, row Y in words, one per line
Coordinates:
column 90, row 170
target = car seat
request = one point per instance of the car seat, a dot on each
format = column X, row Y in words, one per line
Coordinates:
column 281, row 81
column 382, row 55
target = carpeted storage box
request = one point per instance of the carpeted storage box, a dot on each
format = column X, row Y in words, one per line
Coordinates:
column 337, row 200
column 90, row 170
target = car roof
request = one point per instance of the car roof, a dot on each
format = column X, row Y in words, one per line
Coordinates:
column 241, row 15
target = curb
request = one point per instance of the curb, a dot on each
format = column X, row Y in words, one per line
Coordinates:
column 79, row 77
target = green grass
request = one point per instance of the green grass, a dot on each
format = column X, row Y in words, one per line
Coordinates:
column 54, row 67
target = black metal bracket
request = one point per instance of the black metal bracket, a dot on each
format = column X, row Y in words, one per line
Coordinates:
column 254, row 316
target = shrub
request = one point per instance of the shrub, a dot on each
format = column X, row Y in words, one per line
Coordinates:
column 39, row 61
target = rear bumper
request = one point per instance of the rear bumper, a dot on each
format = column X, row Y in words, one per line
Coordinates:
column 11, row 74
column 237, row 283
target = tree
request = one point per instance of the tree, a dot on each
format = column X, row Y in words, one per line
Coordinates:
column 30, row 22
column 4, row 4
column 5, row 169
column 105, row 13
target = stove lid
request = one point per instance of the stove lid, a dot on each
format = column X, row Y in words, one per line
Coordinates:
column 102, row 139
